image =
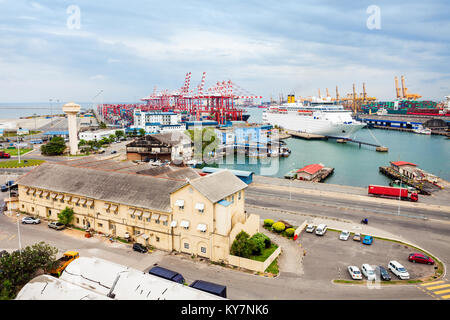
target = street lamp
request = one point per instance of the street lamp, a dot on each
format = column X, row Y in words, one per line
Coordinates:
column 51, row 112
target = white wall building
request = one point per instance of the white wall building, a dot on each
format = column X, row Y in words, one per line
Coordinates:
column 157, row 122
column 97, row 135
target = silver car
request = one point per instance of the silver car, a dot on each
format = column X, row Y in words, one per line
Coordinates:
column 31, row 220
column 56, row 225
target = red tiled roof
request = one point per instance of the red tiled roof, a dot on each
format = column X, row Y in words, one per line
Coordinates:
column 311, row 168
column 402, row 163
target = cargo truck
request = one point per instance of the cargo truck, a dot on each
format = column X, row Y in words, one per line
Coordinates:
column 392, row 192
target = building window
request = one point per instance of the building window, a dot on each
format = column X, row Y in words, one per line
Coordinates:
column 232, row 198
column 157, row 239
column 203, row 249
column 23, row 207
column 239, row 197
column 148, row 219
column 62, row 201
column 186, row 245
column 157, row 221
column 78, row 220
column 100, row 225
column 165, row 223
column 139, row 217
column 32, row 209
column 132, row 216
column 137, row 232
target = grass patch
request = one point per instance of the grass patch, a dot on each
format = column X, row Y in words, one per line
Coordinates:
column 22, row 164
column 14, row 152
column 273, row 267
column 265, row 254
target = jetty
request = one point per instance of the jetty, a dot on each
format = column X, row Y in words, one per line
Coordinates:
column 305, row 135
column 311, row 173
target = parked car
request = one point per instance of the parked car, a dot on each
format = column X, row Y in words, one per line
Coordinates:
column 310, row 228
column 357, row 236
column 4, row 188
column 31, row 220
column 368, row 271
column 56, row 225
column 321, row 229
column 382, row 273
column 367, row 240
column 139, row 248
column 167, row 274
column 397, row 269
column 354, row 272
column 210, row 287
column 344, row 235
column 113, row 152
column 421, row 258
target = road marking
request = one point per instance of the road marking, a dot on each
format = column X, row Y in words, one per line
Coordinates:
column 442, row 291
column 439, row 287
column 431, row 283
column 12, row 237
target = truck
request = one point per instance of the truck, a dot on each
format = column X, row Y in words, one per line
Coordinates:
column 210, row 287
column 392, row 192
column 167, row 274
column 63, row 262
column 4, row 155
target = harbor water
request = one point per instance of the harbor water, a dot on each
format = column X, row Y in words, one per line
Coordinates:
column 353, row 165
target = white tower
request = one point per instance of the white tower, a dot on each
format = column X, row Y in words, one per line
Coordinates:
column 71, row 109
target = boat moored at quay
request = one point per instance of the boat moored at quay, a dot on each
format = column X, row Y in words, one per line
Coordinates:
column 319, row 116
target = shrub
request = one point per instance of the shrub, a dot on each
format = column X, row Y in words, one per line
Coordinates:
column 242, row 246
column 259, row 242
column 290, row 232
column 66, row 216
column 278, row 226
column 268, row 222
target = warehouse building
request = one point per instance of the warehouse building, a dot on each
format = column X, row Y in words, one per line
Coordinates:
column 193, row 216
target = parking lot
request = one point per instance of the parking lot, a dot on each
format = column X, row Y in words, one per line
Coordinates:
column 327, row 257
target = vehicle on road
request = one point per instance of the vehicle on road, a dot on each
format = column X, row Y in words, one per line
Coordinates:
column 56, row 225
column 354, row 272
column 368, row 271
column 345, row 234
column 396, row 268
column 4, row 155
column 213, row 288
column 63, row 262
column 4, row 188
column 113, row 152
column 357, row 236
column 381, row 272
column 392, row 192
column 310, row 228
column 367, row 240
column 421, row 258
column 167, row 274
column 31, row 220
column 321, row 229
column 139, row 248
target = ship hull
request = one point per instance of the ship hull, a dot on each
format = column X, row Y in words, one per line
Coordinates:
column 310, row 124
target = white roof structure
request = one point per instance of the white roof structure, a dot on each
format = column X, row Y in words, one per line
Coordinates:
column 94, row 278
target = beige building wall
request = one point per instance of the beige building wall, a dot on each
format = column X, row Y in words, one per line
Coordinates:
column 150, row 227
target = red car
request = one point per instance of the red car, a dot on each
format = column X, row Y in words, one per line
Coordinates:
column 421, row 258
column 4, row 155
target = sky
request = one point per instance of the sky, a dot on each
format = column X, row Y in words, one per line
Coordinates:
column 70, row 50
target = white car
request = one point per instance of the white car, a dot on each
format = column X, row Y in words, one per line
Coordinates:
column 345, row 234
column 321, row 229
column 354, row 272
column 31, row 220
column 368, row 271
column 310, row 228
column 399, row 270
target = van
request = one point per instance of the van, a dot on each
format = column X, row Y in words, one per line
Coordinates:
column 399, row 270
column 321, row 229
column 167, row 274
column 210, row 287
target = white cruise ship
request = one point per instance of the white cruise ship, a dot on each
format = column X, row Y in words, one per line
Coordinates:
column 321, row 117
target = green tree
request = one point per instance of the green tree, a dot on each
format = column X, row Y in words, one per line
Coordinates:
column 260, row 242
column 104, row 141
column 242, row 246
column 54, row 147
column 102, row 125
column 112, row 137
column 20, row 267
column 82, row 143
column 119, row 134
column 141, row 132
column 66, row 216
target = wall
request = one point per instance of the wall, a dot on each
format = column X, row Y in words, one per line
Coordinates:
column 253, row 264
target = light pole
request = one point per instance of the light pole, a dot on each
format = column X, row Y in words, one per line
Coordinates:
column 51, row 112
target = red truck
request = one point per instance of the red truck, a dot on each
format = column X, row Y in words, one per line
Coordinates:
column 4, row 155
column 392, row 192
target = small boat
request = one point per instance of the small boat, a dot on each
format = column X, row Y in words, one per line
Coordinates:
column 422, row 130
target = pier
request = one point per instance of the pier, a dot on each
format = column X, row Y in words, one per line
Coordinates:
column 424, row 187
column 305, row 135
